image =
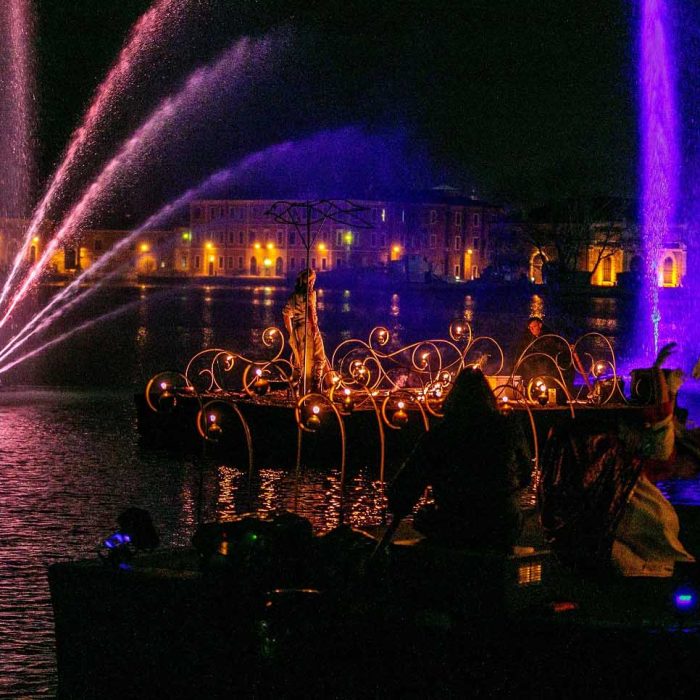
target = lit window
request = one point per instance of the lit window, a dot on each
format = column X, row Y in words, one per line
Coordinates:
column 607, row 270
column 668, row 280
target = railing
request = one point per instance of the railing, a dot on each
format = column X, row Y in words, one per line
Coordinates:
column 397, row 384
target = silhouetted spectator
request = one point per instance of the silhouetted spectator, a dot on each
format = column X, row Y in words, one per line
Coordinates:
column 476, row 460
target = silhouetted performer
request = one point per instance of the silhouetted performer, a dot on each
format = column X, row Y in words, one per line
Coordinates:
column 476, row 460
column 537, row 362
column 301, row 322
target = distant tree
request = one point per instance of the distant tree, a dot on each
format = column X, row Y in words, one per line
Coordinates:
column 507, row 248
column 565, row 233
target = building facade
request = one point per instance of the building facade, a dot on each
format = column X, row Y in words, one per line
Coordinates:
column 444, row 236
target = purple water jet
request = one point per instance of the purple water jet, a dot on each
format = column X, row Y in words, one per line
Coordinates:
column 659, row 159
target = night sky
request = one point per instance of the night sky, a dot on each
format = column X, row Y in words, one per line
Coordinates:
column 519, row 100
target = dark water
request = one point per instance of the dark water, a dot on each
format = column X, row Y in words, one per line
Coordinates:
column 70, row 459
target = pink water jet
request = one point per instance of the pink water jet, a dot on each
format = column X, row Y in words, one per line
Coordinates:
column 163, row 16
column 64, row 336
column 245, row 57
column 330, row 149
column 69, row 297
column 17, row 113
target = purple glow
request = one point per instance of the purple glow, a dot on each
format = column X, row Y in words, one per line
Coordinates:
column 342, row 150
column 660, row 161
column 685, row 599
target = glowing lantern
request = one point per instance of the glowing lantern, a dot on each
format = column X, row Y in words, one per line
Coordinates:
column 313, row 422
column 213, row 428
column 260, row 385
column 347, row 401
column 400, row 416
column 166, row 400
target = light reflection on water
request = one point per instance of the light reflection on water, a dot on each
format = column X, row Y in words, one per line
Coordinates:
column 70, row 461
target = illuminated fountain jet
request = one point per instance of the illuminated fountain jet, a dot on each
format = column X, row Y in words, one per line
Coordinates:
column 659, row 159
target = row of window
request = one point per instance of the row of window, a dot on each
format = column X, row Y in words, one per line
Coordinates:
column 373, row 240
column 238, row 213
column 253, row 265
column 457, row 219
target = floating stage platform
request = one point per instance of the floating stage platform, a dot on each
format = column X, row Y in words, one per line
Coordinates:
column 374, row 401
